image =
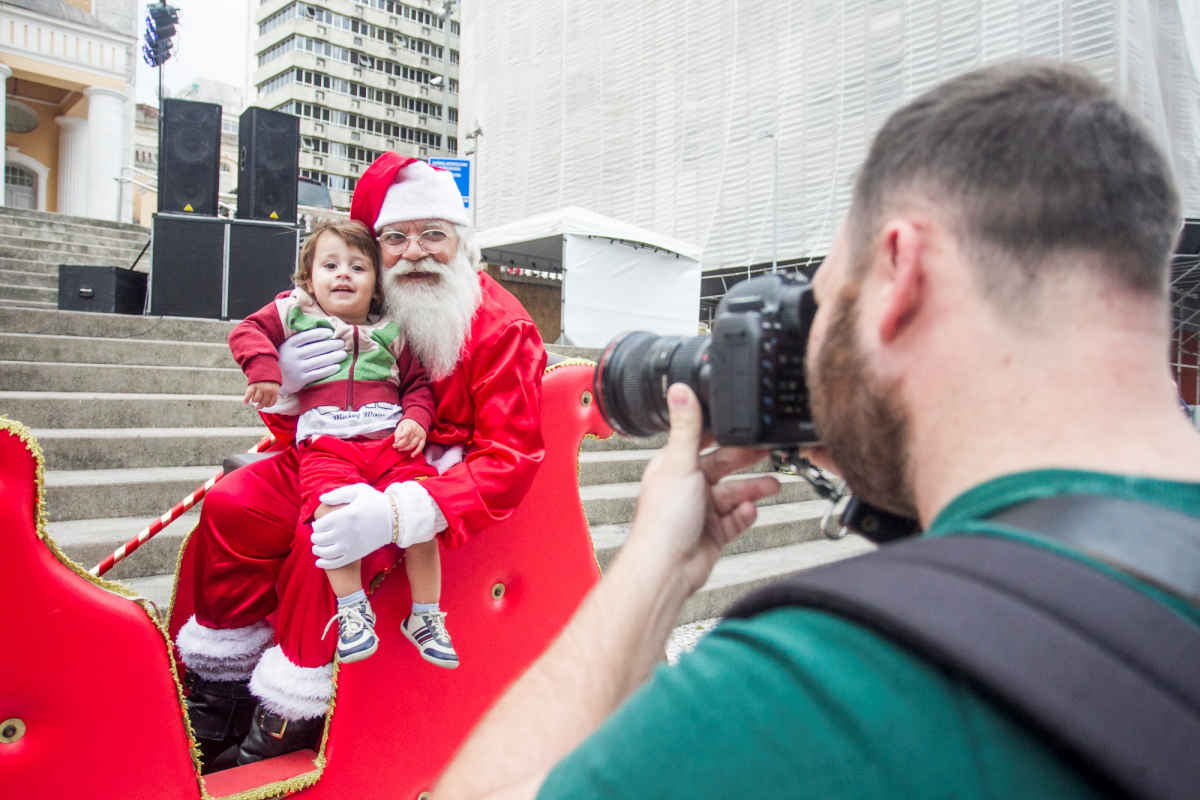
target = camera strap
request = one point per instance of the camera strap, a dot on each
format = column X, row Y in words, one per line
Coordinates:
column 1102, row 670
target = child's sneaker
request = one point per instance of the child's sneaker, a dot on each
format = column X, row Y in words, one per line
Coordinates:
column 428, row 632
column 356, row 632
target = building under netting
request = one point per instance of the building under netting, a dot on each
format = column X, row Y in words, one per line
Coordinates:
column 670, row 115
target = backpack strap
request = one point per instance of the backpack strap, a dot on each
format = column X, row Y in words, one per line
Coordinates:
column 1110, row 675
column 1150, row 542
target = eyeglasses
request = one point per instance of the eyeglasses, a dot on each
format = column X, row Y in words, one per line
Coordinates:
column 431, row 241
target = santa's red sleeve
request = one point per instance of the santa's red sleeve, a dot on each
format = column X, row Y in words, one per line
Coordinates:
column 255, row 341
column 506, row 449
column 416, row 396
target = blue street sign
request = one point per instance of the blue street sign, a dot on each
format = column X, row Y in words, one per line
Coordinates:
column 460, row 168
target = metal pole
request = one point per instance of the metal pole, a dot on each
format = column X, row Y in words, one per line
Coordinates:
column 447, row 7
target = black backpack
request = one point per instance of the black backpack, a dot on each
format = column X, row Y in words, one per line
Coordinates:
column 1098, row 668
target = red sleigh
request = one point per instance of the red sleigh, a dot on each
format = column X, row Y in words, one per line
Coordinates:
column 91, row 703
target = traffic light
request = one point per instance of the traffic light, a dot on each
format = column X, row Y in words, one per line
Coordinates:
column 161, row 20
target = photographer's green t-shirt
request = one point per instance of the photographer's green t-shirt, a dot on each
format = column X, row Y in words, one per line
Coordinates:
column 801, row 703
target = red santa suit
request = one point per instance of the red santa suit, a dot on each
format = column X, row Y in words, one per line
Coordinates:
column 250, row 561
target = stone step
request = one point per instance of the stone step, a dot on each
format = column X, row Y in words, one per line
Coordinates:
column 125, row 410
column 35, row 219
column 88, row 541
column 10, row 277
column 47, row 376
column 566, row 351
column 121, row 448
column 105, row 493
column 52, row 234
column 776, row 526
column 75, row 349
column 618, row 442
column 67, row 253
column 50, row 268
column 614, row 503
column 37, row 294
column 89, row 323
column 735, row 576
column 624, row 466
column 22, row 305
column 60, row 231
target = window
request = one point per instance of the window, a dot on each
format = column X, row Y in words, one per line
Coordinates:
column 454, row 115
column 452, row 144
column 309, row 144
column 229, row 125
column 286, row 46
column 275, row 20
column 278, row 82
column 337, row 183
column 453, row 56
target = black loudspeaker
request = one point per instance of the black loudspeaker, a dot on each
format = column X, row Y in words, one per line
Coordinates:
column 189, row 157
column 219, row 268
column 1189, row 238
column 268, row 165
column 113, row 290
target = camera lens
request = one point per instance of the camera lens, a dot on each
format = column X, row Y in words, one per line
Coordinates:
column 633, row 375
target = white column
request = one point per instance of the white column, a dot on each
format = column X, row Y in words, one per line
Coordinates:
column 72, row 166
column 5, row 74
column 105, row 122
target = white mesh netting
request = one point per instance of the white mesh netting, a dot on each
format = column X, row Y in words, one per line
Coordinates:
column 653, row 112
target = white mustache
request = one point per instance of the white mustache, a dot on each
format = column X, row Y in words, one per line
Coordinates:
column 427, row 264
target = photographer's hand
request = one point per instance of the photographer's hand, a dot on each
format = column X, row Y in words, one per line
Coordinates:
column 684, row 517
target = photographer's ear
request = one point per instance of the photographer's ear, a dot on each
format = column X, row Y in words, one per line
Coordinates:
column 903, row 276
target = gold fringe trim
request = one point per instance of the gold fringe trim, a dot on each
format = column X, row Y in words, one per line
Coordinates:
column 31, row 444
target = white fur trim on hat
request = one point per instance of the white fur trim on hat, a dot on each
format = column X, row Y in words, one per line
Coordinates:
column 290, row 691
column 227, row 654
column 422, row 192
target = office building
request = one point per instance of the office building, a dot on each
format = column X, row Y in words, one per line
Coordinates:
column 364, row 76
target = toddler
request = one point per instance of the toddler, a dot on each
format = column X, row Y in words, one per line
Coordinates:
column 365, row 424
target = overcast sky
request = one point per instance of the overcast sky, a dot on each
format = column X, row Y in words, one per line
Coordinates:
column 210, row 43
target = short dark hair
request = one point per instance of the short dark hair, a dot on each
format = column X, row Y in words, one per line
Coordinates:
column 353, row 233
column 1038, row 160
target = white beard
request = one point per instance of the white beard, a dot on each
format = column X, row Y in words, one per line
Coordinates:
column 435, row 315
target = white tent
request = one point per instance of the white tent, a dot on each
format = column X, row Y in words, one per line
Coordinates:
column 615, row 277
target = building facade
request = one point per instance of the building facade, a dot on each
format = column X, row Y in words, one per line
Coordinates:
column 364, row 76
column 69, row 74
column 673, row 115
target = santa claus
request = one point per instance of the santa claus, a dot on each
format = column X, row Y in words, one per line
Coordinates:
column 258, row 690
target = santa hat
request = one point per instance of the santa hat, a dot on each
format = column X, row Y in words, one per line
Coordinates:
column 396, row 188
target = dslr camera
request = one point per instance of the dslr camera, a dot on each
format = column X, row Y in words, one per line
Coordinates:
column 748, row 375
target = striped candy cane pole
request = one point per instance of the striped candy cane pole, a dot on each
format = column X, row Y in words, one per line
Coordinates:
column 166, row 519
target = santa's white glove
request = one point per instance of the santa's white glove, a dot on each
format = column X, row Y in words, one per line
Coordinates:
column 307, row 357
column 442, row 457
column 366, row 522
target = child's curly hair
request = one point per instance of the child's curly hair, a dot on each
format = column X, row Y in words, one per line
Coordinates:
column 353, row 233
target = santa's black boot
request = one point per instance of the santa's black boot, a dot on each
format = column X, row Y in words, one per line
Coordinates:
column 272, row 735
column 221, row 713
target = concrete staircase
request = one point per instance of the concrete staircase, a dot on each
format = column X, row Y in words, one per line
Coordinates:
column 133, row 413
column 34, row 243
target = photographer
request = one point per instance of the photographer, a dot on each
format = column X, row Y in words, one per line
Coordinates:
column 992, row 329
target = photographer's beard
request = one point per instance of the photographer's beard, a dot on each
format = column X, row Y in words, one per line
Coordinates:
column 860, row 418
column 434, row 311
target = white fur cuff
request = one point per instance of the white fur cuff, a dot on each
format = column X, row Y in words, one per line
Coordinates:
column 227, row 654
column 420, row 517
column 290, row 691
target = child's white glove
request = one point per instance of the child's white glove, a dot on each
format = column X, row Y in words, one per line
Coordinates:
column 307, row 357
column 366, row 523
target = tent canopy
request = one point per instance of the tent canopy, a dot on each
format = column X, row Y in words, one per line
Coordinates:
column 531, row 235
column 615, row 277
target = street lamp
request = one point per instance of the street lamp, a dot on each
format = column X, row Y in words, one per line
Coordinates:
column 474, row 135
column 774, row 201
